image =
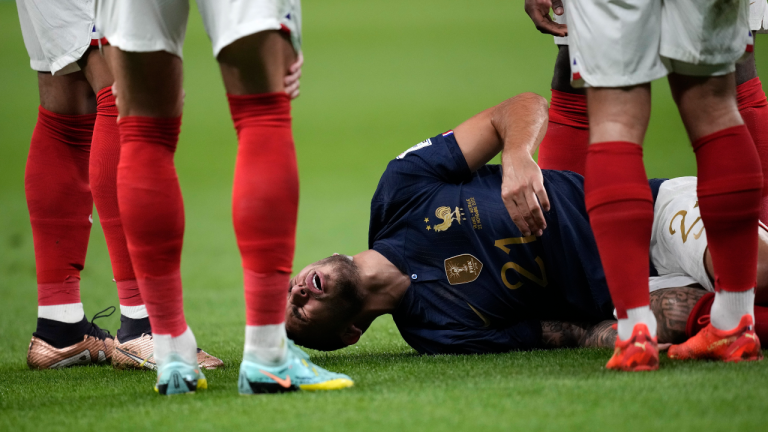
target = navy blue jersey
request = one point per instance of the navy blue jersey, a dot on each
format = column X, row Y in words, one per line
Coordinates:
column 478, row 285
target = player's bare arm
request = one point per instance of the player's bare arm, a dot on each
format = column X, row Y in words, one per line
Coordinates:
column 515, row 128
column 671, row 306
column 558, row 334
column 538, row 10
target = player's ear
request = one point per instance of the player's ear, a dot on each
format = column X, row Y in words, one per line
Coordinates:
column 351, row 335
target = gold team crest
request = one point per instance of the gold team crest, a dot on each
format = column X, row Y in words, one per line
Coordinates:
column 447, row 216
column 462, row 269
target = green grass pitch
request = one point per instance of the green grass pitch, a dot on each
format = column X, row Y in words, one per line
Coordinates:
column 379, row 76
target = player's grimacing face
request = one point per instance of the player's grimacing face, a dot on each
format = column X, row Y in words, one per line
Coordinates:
column 315, row 298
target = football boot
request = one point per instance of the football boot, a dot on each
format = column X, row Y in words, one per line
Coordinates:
column 638, row 353
column 739, row 344
column 296, row 373
column 176, row 376
column 96, row 346
column 137, row 353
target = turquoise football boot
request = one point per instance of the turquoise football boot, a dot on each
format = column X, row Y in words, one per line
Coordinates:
column 297, row 373
column 175, row 376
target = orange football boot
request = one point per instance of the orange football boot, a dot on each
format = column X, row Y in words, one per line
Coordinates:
column 739, row 344
column 638, row 353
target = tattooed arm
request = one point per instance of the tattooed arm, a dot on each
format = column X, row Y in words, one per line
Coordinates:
column 672, row 306
column 558, row 334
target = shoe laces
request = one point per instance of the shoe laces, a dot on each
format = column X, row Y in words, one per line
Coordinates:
column 95, row 330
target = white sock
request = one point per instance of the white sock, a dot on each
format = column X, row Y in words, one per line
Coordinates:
column 637, row 315
column 266, row 344
column 134, row 312
column 68, row 313
column 184, row 345
column 729, row 307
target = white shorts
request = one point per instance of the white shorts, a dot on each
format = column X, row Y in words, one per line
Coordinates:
column 758, row 16
column 617, row 44
column 758, row 19
column 151, row 25
column 562, row 19
column 56, row 33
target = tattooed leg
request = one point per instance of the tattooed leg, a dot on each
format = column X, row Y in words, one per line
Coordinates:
column 672, row 306
column 558, row 334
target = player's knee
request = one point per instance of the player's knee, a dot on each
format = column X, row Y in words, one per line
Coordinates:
column 256, row 63
column 68, row 94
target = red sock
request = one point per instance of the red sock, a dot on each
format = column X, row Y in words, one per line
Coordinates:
column 60, row 204
column 105, row 154
column 696, row 320
column 729, row 190
column 265, row 202
column 564, row 147
column 152, row 212
column 620, row 208
column 753, row 106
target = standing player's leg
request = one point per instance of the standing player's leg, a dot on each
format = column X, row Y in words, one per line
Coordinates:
column 264, row 209
column 620, row 209
column 56, row 184
column 150, row 103
column 617, row 195
column 105, row 153
column 60, row 206
column 565, row 144
column 265, row 195
column 753, row 107
column 729, row 190
column 700, row 313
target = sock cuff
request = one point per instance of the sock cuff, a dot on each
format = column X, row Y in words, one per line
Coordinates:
column 732, row 132
column 166, row 303
column 67, row 291
column 616, row 193
column 615, row 172
column 76, row 130
column 154, row 130
column 265, row 297
column 750, row 94
column 68, row 313
column 262, row 109
column 568, row 109
column 739, row 182
column 134, row 312
column 105, row 102
column 625, row 148
column 128, row 293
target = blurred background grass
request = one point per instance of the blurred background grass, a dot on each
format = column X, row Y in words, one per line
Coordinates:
column 379, row 76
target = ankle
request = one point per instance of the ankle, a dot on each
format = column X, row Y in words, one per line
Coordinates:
column 730, row 306
column 183, row 346
column 61, row 334
column 131, row 328
column 266, row 344
column 638, row 315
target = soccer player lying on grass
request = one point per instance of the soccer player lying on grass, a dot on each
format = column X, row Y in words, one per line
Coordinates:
column 458, row 276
